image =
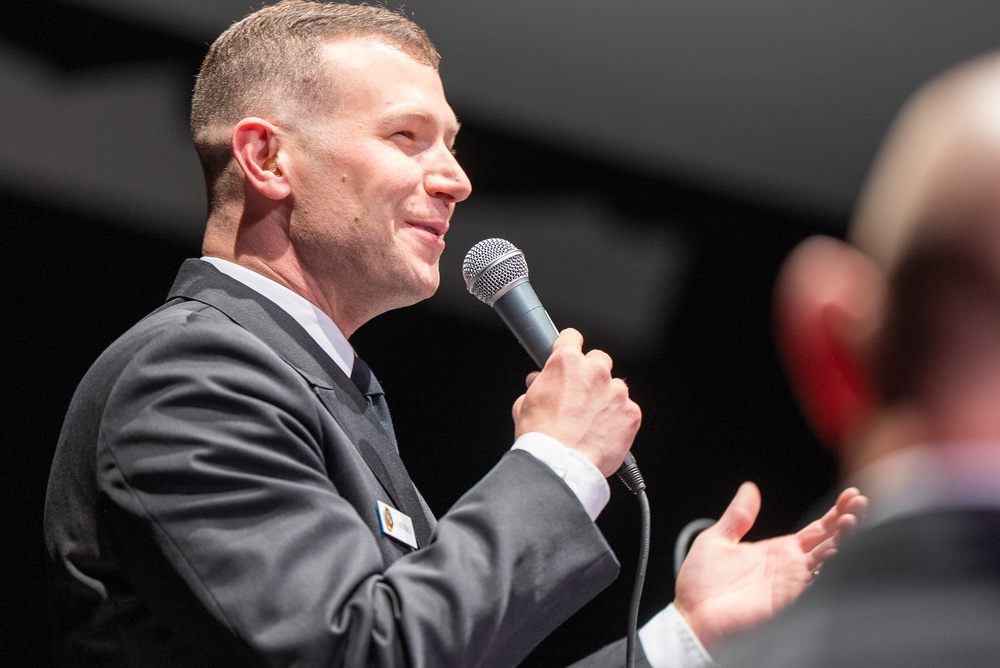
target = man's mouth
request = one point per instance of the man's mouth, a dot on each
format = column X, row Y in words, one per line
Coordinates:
column 435, row 228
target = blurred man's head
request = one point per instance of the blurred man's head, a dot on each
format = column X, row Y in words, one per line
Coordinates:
column 896, row 337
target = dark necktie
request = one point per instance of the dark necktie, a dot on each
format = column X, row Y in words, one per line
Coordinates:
column 413, row 505
column 362, row 376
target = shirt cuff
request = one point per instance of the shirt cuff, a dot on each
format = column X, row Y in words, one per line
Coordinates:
column 578, row 472
column 668, row 642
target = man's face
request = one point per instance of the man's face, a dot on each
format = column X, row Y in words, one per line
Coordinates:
column 375, row 181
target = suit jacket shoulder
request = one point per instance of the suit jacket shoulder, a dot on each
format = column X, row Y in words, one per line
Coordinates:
column 209, row 505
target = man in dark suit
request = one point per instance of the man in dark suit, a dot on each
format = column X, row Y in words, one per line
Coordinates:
column 894, row 346
column 227, row 488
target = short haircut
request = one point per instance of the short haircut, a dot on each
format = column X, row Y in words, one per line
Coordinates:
column 271, row 61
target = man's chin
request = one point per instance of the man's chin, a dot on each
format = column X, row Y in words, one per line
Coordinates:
column 429, row 283
column 418, row 291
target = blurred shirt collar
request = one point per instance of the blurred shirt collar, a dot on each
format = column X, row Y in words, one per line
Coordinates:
column 922, row 477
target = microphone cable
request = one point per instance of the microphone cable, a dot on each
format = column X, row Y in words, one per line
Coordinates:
column 632, row 478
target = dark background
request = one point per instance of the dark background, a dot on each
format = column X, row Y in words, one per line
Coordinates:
column 716, row 407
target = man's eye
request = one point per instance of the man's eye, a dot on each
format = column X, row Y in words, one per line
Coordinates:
column 406, row 134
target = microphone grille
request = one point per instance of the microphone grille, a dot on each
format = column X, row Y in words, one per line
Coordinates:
column 492, row 267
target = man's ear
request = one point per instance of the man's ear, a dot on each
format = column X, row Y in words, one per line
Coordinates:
column 257, row 150
column 827, row 307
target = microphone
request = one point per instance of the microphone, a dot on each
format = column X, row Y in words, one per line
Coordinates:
column 496, row 273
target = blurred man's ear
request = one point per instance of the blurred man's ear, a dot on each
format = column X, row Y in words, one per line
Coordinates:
column 827, row 302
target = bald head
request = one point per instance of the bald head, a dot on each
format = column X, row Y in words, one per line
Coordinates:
column 940, row 159
column 902, row 326
column 930, row 217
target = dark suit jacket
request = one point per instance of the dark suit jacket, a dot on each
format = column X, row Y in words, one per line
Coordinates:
column 213, row 502
column 918, row 591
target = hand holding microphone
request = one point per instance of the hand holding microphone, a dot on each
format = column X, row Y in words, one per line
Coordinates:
column 574, row 399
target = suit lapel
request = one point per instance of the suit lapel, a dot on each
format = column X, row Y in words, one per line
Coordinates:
column 200, row 281
column 380, row 455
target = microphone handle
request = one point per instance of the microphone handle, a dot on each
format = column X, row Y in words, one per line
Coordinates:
column 523, row 313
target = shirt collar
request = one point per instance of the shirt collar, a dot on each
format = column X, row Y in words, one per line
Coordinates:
column 924, row 476
column 317, row 323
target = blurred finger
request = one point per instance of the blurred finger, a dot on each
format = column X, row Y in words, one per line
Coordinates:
column 819, row 555
column 854, row 504
column 833, row 521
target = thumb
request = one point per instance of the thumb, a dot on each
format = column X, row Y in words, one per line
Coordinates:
column 741, row 513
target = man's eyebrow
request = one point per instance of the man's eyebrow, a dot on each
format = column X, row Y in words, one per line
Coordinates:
column 404, row 115
column 451, row 128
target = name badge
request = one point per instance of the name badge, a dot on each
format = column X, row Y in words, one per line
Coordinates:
column 396, row 524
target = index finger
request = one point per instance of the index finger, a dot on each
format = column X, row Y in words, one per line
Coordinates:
column 569, row 338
